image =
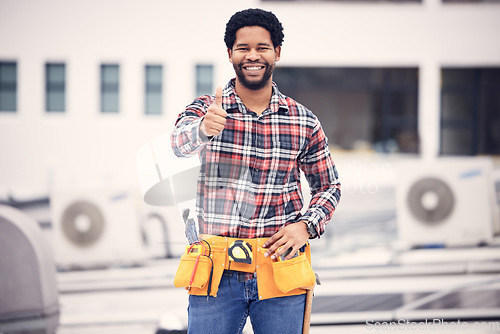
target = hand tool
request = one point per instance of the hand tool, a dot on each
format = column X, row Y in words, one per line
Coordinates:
column 308, row 307
column 240, row 251
column 190, row 230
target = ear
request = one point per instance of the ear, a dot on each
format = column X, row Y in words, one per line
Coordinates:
column 230, row 54
column 277, row 52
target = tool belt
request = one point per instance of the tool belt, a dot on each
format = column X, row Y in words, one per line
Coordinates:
column 202, row 266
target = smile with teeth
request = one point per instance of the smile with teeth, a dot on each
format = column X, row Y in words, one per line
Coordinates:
column 253, row 68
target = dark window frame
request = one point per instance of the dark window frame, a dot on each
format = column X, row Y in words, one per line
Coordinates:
column 203, row 88
column 107, row 88
column 9, row 86
column 153, row 88
column 52, row 87
column 386, row 90
column 477, row 91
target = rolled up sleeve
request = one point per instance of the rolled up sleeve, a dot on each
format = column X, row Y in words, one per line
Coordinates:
column 187, row 139
column 322, row 176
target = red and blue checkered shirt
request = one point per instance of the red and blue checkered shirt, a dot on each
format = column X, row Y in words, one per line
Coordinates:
column 249, row 184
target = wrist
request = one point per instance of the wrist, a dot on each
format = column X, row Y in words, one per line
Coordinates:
column 202, row 132
column 310, row 228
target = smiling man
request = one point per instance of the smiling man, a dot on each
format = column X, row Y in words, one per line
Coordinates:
column 253, row 142
column 253, row 69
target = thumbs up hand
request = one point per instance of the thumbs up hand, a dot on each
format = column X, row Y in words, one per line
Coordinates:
column 215, row 118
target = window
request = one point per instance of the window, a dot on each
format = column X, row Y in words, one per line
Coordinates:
column 204, row 78
column 110, row 88
column 154, row 89
column 8, row 86
column 359, row 108
column 55, row 87
column 470, row 111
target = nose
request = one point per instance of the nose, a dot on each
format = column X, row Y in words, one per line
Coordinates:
column 253, row 55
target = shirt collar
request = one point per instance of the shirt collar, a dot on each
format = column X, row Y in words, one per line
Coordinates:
column 231, row 100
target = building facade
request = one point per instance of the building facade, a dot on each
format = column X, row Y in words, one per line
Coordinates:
column 84, row 84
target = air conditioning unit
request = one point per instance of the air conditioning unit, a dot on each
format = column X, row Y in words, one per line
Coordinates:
column 446, row 201
column 96, row 227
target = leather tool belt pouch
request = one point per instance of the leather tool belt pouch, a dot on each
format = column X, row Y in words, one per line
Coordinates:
column 293, row 274
column 202, row 278
column 192, row 274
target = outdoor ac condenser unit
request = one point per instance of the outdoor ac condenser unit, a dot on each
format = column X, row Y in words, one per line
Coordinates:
column 96, row 227
column 29, row 302
column 446, row 201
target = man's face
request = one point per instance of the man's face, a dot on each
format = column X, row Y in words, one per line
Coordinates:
column 253, row 56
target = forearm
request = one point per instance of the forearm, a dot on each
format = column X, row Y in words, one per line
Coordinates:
column 323, row 179
column 321, row 208
column 186, row 138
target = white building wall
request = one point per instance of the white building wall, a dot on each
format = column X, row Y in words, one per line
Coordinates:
column 39, row 149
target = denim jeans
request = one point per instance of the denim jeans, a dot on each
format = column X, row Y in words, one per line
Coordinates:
column 227, row 313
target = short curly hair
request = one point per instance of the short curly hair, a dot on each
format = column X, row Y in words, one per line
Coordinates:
column 254, row 17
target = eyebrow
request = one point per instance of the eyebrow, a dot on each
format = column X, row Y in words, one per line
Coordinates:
column 259, row 44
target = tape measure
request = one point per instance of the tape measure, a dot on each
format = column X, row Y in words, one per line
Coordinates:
column 240, row 251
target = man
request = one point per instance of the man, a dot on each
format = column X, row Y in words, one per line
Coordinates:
column 253, row 141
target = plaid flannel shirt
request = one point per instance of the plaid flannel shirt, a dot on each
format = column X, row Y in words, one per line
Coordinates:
column 249, row 184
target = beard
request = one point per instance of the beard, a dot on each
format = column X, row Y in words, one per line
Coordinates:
column 254, row 85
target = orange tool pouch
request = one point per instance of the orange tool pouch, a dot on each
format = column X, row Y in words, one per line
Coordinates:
column 274, row 278
column 196, row 267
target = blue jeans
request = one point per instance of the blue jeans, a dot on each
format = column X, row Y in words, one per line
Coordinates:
column 235, row 301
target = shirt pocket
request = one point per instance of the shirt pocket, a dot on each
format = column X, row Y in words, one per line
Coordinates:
column 283, row 159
